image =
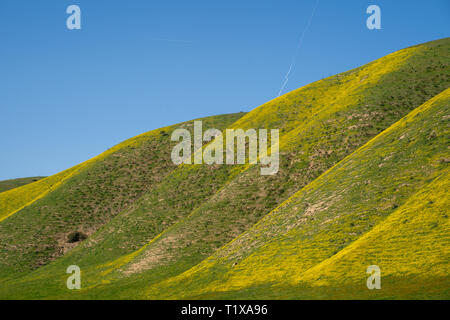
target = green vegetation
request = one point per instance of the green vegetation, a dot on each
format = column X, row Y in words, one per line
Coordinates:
column 6, row 185
column 94, row 193
column 356, row 150
column 378, row 206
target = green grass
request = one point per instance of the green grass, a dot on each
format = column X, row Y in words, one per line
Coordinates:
column 386, row 204
column 149, row 222
column 92, row 194
column 6, row 185
column 248, row 196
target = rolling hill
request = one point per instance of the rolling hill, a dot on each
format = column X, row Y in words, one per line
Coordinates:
column 386, row 204
column 6, row 185
column 360, row 153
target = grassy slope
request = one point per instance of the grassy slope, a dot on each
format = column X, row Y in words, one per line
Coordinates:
column 386, row 204
column 89, row 197
column 6, row 185
column 14, row 200
column 411, row 247
column 337, row 114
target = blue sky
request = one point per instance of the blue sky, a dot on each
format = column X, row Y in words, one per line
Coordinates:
column 68, row 95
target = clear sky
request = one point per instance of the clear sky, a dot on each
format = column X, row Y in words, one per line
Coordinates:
column 137, row 65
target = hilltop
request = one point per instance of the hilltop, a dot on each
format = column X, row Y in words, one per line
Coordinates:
column 360, row 152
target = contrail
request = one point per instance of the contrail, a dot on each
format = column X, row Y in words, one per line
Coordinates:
column 286, row 80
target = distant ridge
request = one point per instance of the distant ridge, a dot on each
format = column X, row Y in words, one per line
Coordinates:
column 6, row 185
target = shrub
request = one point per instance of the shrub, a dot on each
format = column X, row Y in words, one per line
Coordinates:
column 76, row 236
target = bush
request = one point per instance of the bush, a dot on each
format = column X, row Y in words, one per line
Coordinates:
column 76, row 236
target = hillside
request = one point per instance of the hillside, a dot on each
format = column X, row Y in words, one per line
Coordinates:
column 6, row 185
column 207, row 231
column 83, row 198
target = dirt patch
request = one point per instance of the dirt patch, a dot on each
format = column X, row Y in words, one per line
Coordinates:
column 311, row 210
column 152, row 257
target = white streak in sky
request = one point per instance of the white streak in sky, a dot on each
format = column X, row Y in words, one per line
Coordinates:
column 286, row 80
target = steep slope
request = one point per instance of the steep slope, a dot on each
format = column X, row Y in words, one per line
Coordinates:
column 320, row 124
column 411, row 248
column 16, row 199
column 83, row 198
column 378, row 206
column 194, row 210
column 6, row 185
